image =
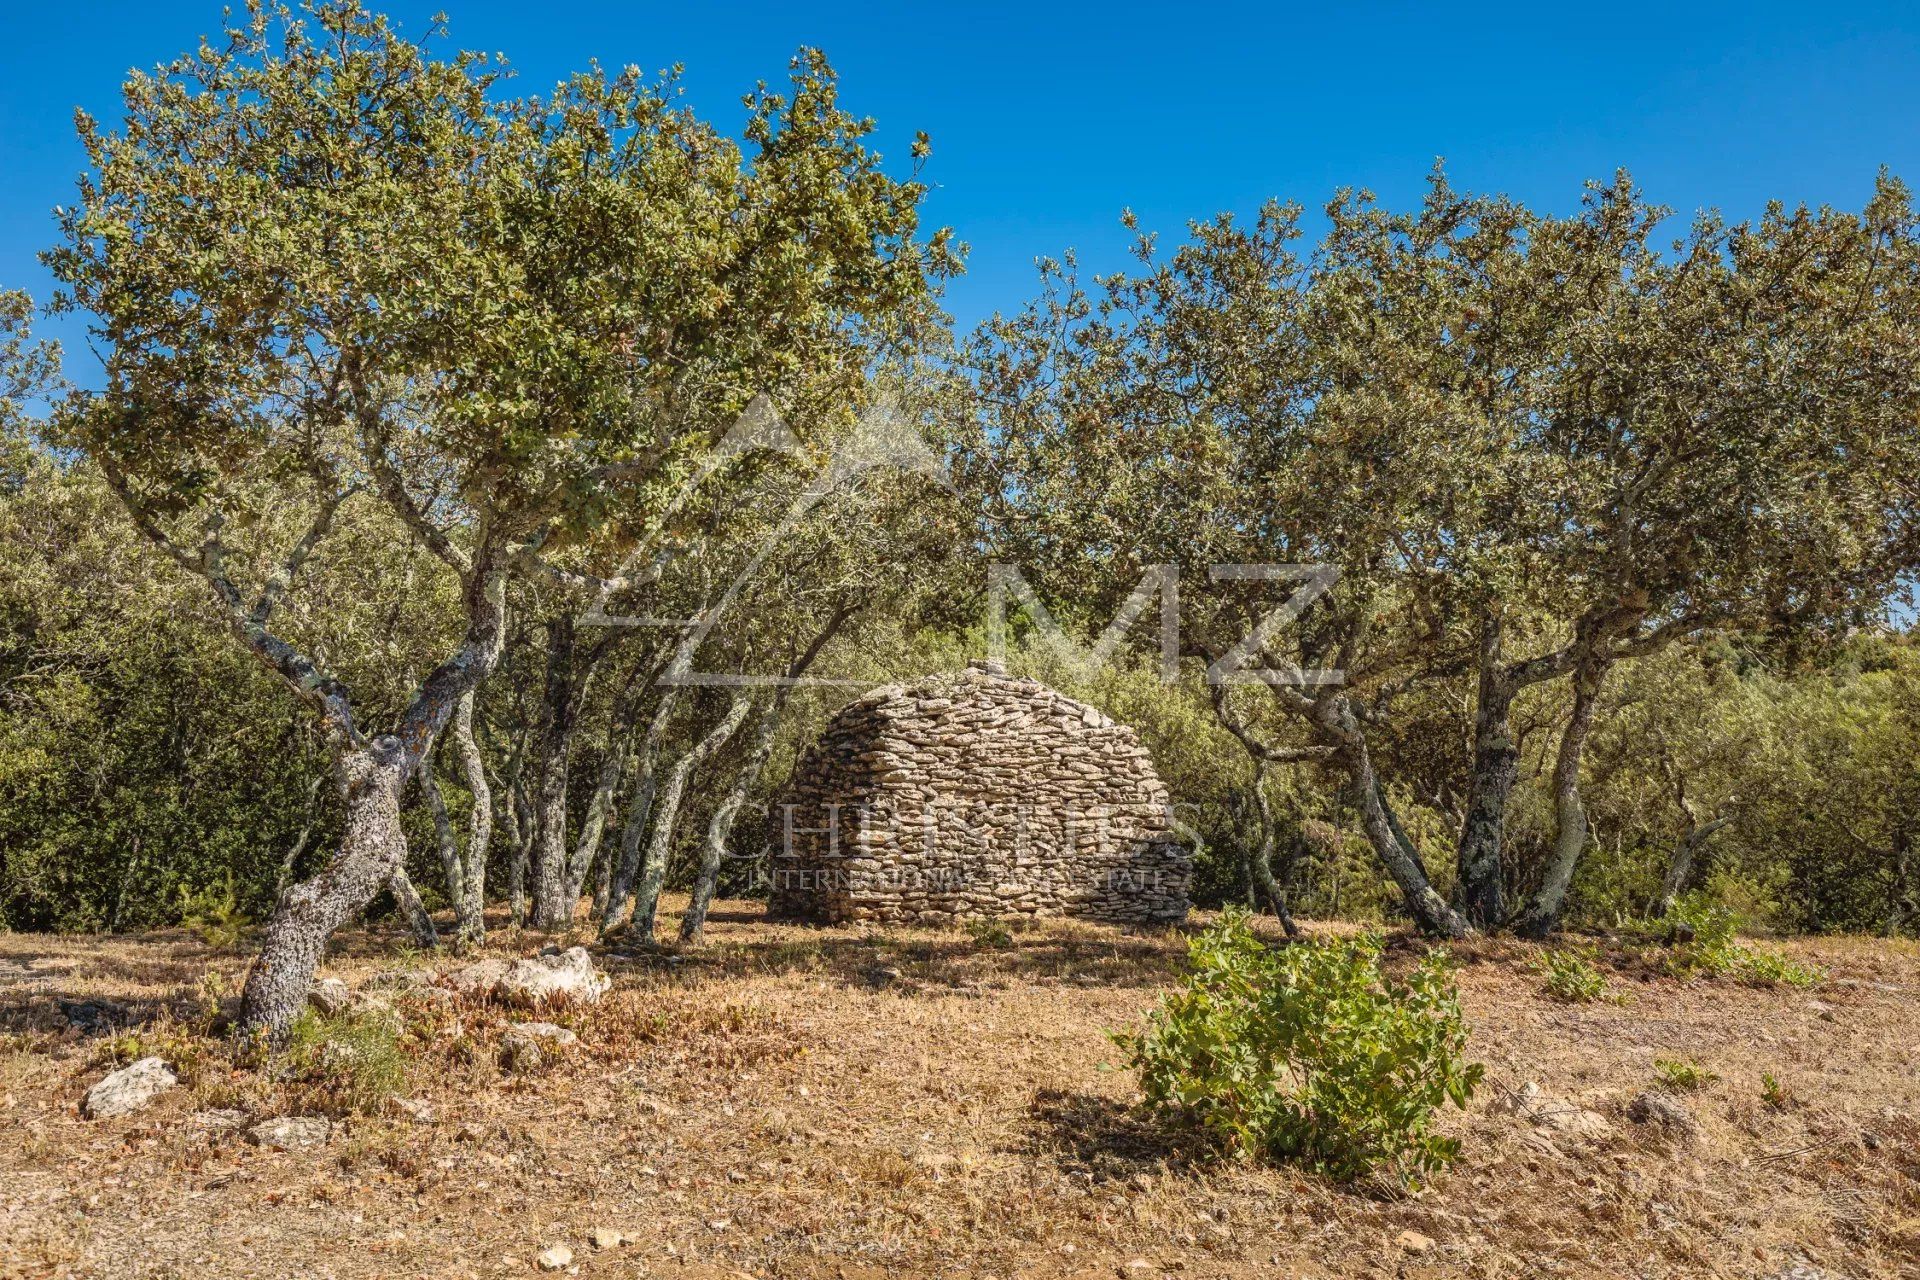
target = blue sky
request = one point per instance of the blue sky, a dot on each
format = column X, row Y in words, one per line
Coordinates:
column 1048, row 120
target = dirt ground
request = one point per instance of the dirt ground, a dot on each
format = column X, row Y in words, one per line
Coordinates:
column 865, row 1103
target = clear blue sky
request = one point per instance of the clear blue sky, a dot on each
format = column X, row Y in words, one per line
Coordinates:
column 1048, row 120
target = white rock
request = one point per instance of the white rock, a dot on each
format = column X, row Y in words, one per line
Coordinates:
column 555, row 1258
column 568, row 977
column 129, row 1089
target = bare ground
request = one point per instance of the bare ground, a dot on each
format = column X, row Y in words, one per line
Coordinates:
column 859, row 1103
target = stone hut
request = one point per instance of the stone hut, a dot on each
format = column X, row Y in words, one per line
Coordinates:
column 971, row 796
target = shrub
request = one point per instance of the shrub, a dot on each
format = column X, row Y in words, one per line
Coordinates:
column 1760, row 968
column 1702, row 934
column 1681, row 1075
column 352, row 1062
column 1775, row 1095
column 1308, row 1053
column 1571, row 975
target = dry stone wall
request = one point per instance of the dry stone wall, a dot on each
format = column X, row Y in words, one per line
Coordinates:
column 971, row 796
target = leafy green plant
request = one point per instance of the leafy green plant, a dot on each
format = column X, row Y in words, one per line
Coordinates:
column 213, row 915
column 351, row 1062
column 1682, row 1075
column 1774, row 1094
column 1702, row 934
column 1570, row 975
column 1760, row 968
column 1308, row 1053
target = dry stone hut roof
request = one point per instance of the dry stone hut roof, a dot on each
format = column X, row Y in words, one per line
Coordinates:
column 974, row 795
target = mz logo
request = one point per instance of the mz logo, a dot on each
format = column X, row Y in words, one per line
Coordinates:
column 1163, row 581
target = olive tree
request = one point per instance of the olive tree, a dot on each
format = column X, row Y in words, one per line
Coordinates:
column 324, row 265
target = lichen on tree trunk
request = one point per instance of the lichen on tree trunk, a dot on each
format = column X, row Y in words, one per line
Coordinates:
column 371, row 849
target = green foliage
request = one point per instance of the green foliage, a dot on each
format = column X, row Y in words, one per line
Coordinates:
column 213, row 915
column 348, row 1063
column 1569, row 974
column 1763, row 968
column 1682, row 1075
column 1774, row 1095
column 1309, row 1053
column 1703, row 933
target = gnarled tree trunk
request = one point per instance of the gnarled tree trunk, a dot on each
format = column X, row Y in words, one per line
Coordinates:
column 371, row 850
column 412, row 910
column 639, row 813
column 470, row 909
column 1542, row 914
column 551, row 907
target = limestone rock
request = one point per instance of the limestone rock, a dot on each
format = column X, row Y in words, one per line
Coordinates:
column 291, row 1133
column 329, row 996
column 555, row 1258
column 219, row 1120
column 606, row 1238
column 527, row 1046
column 477, row 979
column 567, row 977
column 1663, row 1111
column 1414, row 1242
column 129, row 1089
column 418, row 1110
column 556, row 977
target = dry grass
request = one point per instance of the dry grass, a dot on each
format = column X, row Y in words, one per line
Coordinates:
column 780, row 1103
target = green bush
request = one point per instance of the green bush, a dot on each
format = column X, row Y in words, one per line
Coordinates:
column 1702, row 933
column 1570, row 975
column 1307, row 1053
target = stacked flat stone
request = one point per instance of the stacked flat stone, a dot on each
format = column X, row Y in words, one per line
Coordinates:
column 974, row 796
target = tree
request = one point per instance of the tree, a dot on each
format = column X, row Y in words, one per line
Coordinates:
column 1531, row 447
column 325, row 265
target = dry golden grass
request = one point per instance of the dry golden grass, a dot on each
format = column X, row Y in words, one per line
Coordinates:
column 780, row 1103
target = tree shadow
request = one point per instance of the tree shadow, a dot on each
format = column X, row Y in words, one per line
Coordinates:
column 920, row 960
column 1105, row 1140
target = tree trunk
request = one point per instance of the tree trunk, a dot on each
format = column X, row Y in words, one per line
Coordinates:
column 639, row 813
column 593, row 826
column 412, row 909
column 1335, row 721
column 1542, row 914
column 1680, row 870
column 654, row 872
column 470, row 911
column 720, row 829
column 519, row 810
column 1496, row 762
column 371, row 849
column 1259, row 861
column 551, row 907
